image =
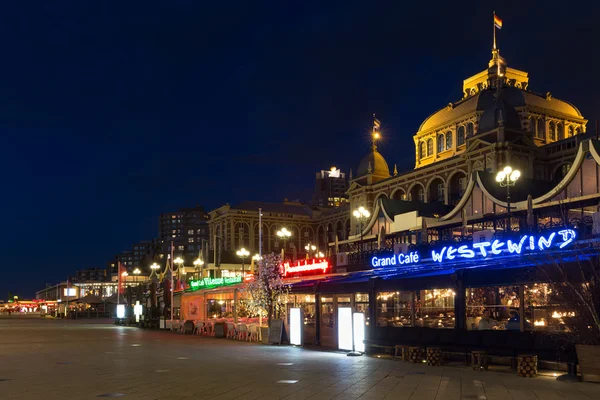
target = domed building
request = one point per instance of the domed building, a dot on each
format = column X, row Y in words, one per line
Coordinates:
column 458, row 149
column 446, row 132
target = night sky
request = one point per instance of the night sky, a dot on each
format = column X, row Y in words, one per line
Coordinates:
column 115, row 111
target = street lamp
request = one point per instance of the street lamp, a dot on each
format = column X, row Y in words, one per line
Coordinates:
column 198, row 263
column 361, row 214
column 507, row 178
column 154, row 266
column 284, row 234
column 179, row 262
column 310, row 247
column 136, row 272
column 242, row 253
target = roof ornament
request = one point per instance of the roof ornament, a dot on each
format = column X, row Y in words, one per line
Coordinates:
column 376, row 133
column 395, row 170
column 370, row 170
column 350, row 173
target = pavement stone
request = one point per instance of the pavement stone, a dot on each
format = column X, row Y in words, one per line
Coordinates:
column 84, row 359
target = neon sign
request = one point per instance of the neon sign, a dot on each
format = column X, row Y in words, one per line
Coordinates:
column 400, row 259
column 316, row 265
column 215, row 282
column 526, row 243
column 497, row 247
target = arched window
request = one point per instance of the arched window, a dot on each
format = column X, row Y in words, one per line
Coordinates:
column 460, row 136
column 552, row 130
column 441, row 191
column 421, row 195
column 421, row 150
column 577, row 131
column 560, row 131
column 469, row 129
column 571, row 131
column 533, row 126
column 430, row 147
column 541, row 128
column 440, row 143
column 448, row 140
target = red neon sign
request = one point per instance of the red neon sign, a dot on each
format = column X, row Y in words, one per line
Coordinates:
column 316, row 265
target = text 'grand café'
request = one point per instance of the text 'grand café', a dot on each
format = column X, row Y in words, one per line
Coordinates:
column 445, row 241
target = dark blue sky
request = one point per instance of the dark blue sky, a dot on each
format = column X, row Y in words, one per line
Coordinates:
column 113, row 112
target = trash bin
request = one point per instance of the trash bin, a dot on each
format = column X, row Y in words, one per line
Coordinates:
column 219, row 329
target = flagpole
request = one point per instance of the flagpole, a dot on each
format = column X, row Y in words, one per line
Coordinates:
column 172, row 282
column 494, row 26
column 67, row 307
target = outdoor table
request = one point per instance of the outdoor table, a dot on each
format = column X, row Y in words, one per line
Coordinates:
column 403, row 352
column 479, row 360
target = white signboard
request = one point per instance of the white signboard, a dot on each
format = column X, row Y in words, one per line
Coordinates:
column 296, row 326
column 359, row 332
column 345, row 328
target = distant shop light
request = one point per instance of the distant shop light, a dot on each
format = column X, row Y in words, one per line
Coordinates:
column 215, row 282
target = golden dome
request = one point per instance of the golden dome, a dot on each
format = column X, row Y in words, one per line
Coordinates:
column 375, row 164
column 513, row 96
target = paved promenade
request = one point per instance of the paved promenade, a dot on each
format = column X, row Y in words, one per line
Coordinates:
column 55, row 359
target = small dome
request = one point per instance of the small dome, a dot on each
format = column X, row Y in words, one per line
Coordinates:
column 496, row 110
column 379, row 167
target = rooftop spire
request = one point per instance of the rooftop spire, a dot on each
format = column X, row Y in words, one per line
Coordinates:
column 376, row 134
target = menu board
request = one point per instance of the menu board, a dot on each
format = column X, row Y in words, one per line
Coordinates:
column 276, row 331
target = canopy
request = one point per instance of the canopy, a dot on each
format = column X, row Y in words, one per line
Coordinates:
column 113, row 299
column 90, row 299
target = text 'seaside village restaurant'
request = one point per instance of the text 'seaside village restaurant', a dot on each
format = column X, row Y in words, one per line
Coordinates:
column 439, row 247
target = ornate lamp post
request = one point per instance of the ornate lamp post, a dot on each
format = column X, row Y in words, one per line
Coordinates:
column 361, row 214
column 310, row 247
column 136, row 272
column 284, row 234
column 507, row 178
column 242, row 253
column 198, row 263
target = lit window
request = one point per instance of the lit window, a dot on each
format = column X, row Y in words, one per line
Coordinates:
column 440, row 143
column 421, row 150
column 190, row 232
column 469, row 129
column 460, row 136
column 440, row 192
column 448, row 140
column 181, row 248
column 430, row 147
column 421, row 195
column 191, row 240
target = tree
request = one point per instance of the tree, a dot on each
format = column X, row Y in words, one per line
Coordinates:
column 267, row 291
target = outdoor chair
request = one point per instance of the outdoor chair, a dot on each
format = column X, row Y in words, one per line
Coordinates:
column 230, row 330
column 198, row 327
column 242, row 332
column 208, row 328
column 253, row 329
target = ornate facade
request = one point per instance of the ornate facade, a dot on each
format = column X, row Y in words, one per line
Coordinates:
column 498, row 122
column 237, row 226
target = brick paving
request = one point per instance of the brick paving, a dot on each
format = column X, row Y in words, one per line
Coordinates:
column 55, row 359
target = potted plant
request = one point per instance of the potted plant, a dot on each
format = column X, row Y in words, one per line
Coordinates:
column 575, row 282
column 266, row 291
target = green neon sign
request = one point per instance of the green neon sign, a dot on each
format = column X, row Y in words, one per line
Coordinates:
column 214, row 282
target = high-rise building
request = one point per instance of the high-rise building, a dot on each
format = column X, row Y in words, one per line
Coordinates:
column 138, row 257
column 330, row 188
column 90, row 274
column 187, row 229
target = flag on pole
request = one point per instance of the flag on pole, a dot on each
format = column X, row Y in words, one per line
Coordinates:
column 120, row 277
column 497, row 22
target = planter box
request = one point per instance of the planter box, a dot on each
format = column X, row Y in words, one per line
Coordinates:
column 589, row 362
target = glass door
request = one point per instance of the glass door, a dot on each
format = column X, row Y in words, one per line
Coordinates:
column 328, row 332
